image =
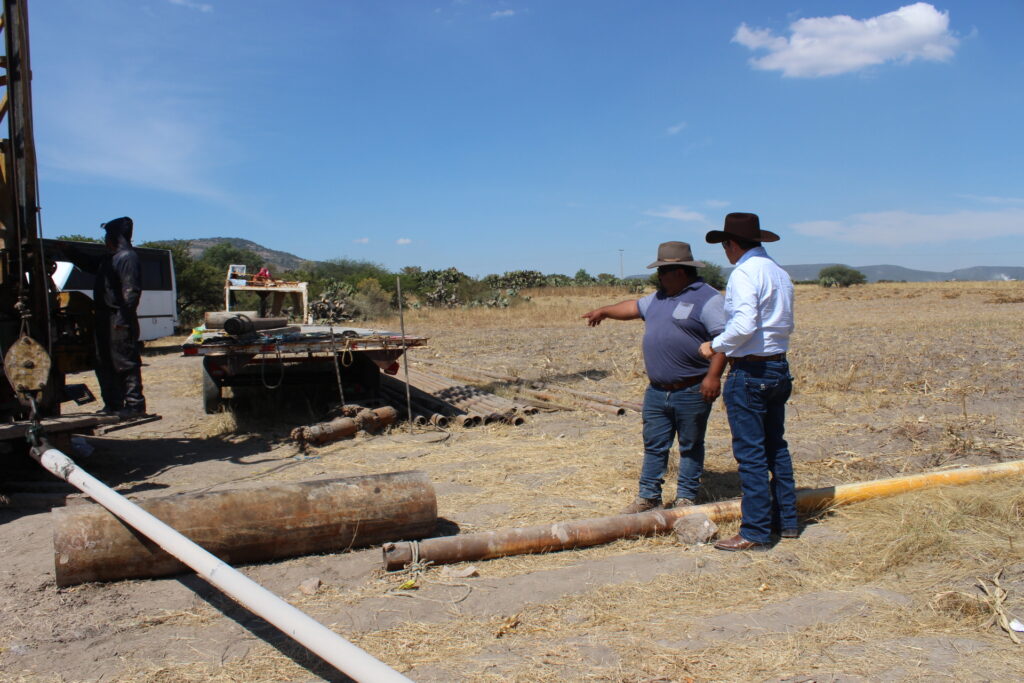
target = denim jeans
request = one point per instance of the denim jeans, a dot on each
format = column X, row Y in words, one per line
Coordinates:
column 667, row 414
column 755, row 398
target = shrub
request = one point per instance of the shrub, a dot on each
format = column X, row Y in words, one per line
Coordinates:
column 840, row 276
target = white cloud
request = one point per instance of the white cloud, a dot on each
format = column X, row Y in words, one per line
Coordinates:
column 403, row 241
column 676, row 213
column 674, row 130
column 503, row 14
column 827, row 46
column 201, row 6
column 900, row 228
column 113, row 126
column 361, row 240
column 988, row 199
column 716, row 204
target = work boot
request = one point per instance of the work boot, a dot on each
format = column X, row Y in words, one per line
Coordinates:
column 680, row 503
column 641, row 504
column 131, row 413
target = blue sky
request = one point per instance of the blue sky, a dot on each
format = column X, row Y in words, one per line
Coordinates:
column 498, row 135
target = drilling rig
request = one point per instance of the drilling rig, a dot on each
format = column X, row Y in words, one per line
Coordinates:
column 44, row 334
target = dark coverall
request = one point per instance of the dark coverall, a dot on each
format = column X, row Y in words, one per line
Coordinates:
column 115, row 298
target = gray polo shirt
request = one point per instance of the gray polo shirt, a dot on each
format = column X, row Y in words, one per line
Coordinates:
column 676, row 326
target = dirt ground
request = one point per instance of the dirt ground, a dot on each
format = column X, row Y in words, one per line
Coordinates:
column 890, row 379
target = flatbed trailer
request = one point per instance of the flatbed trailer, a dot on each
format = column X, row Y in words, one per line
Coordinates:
column 301, row 356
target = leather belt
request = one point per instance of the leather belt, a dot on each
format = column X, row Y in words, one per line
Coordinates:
column 756, row 359
column 681, row 384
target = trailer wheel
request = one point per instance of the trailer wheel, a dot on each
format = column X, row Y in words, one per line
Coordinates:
column 212, row 401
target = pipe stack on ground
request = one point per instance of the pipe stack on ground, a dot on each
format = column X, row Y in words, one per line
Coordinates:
column 469, row 398
column 541, row 389
column 589, row 532
column 426, row 408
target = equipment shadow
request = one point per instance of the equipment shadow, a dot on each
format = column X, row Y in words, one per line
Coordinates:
column 263, row 630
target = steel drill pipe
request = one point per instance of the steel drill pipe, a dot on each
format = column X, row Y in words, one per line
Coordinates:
column 423, row 413
column 247, row 525
column 335, row 650
column 452, row 390
column 603, row 408
column 486, row 376
column 395, row 387
column 468, row 414
column 589, row 532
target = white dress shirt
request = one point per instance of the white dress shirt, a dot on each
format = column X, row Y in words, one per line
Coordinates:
column 759, row 308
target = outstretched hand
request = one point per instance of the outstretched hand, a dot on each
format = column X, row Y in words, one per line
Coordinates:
column 595, row 316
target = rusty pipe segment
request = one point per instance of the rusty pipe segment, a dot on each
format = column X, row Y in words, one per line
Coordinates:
column 340, row 427
column 588, row 532
column 603, row 408
column 247, row 525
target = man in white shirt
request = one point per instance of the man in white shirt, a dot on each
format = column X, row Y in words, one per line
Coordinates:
column 759, row 312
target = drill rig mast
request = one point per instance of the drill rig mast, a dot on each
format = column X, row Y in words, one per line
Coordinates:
column 27, row 296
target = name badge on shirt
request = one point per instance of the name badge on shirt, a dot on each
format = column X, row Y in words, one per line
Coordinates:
column 682, row 311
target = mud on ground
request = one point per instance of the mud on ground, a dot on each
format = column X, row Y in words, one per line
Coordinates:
column 891, row 379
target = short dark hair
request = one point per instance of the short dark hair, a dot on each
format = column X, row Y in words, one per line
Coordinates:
column 745, row 245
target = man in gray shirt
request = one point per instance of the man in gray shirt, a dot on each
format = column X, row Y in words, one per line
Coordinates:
column 684, row 313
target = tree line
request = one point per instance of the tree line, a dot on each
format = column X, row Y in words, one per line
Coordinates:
column 363, row 289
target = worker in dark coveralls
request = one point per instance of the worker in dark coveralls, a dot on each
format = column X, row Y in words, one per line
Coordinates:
column 684, row 313
column 115, row 296
column 759, row 306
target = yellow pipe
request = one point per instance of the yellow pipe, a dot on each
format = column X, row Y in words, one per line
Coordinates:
column 812, row 500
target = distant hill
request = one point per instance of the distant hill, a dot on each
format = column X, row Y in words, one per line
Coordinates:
column 275, row 260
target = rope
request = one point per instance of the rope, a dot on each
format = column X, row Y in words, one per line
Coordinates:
column 263, row 369
column 337, row 369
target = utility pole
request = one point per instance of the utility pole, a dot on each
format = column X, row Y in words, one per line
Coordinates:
column 622, row 273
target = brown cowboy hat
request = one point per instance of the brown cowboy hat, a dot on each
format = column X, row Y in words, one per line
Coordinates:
column 746, row 226
column 675, row 254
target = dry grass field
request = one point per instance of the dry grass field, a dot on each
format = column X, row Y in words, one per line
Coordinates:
column 890, row 379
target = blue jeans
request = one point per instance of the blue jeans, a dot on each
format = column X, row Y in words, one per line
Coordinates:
column 682, row 412
column 755, row 398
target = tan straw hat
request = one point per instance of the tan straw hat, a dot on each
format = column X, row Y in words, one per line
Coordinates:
column 675, row 254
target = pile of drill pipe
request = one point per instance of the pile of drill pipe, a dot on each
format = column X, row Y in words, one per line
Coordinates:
column 469, row 398
column 426, row 408
column 421, row 415
column 541, row 390
column 340, row 427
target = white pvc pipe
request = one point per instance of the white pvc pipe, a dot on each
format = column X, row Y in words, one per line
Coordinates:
column 334, row 649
